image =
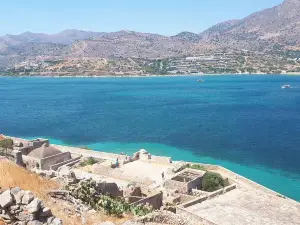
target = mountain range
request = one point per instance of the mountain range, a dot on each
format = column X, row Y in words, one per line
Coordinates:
column 277, row 27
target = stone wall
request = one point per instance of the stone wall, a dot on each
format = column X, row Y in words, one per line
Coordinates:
column 192, row 218
column 111, row 189
column 14, row 156
column 46, row 163
column 31, row 162
column 193, row 202
column 183, row 187
column 176, row 185
column 89, row 153
column 207, row 195
column 155, row 200
column 28, row 146
column 21, row 207
column 161, row 159
column 239, row 178
column 69, row 162
column 194, row 184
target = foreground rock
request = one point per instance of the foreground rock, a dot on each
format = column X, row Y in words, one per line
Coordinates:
column 21, row 207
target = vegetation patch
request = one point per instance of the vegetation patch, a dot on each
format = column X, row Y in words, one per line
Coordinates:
column 6, row 144
column 191, row 166
column 88, row 162
column 213, row 181
column 88, row 192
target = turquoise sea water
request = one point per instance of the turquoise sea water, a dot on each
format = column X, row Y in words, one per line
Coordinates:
column 245, row 123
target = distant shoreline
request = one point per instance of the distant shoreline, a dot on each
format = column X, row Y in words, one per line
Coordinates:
column 144, row 76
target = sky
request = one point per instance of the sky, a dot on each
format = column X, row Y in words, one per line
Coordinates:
column 167, row 17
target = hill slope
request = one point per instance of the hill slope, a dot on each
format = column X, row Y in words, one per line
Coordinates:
column 261, row 31
column 278, row 25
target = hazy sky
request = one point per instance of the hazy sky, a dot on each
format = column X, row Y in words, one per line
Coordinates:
column 166, row 17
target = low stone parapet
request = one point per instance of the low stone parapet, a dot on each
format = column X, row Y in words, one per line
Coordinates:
column 192, row 218
column 161, row 159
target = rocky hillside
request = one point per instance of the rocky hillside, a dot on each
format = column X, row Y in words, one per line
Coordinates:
column 130, row 44
column 269, row 29
column 279, row 25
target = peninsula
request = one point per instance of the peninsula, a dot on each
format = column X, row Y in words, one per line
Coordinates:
column 180, row 192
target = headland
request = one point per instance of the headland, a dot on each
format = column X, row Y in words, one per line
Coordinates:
column 176, row 186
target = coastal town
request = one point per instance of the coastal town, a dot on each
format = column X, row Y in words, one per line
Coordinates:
column 223, row 62
column 141, row 189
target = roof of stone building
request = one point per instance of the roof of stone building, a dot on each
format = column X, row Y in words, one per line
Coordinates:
column 44, row 152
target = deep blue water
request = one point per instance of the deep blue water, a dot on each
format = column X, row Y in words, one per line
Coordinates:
column 247, row 123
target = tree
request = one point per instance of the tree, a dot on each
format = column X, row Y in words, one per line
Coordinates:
column 213, row 181
column 6, row 144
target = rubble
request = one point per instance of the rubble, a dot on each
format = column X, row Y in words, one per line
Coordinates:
column 21, row 207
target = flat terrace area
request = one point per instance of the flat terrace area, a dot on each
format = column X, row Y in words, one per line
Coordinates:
column 143, row 171
column 248, row 207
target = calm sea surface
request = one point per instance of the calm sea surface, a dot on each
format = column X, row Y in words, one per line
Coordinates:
column 246, row 123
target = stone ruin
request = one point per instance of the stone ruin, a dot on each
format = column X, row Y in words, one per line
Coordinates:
column 19, row 207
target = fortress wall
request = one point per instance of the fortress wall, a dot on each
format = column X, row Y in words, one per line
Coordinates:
column 236, row 178
column 192, row 218
column 69, row 162
column 46, row 163
column 90, row 153
column 161, row 159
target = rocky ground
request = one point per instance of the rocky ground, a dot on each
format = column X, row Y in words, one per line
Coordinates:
column 19, row 207
column 46, row 199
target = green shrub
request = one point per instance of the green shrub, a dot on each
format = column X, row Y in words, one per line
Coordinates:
column 197, row 167
column 91, row 161
column 191, row 166
column 88, row 162
column 6, row 144
column 213, row 181
column 87, row 192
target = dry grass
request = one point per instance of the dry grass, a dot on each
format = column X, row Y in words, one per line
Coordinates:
column 12, row 175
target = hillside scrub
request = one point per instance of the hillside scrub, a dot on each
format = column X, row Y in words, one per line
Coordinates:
column 12, row 175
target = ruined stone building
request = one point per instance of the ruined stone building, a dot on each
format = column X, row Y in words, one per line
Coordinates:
column 40, row 154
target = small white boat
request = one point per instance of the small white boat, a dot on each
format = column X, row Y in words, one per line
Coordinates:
column 286, row 86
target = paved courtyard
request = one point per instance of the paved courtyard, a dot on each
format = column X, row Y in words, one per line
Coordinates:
column 248, row 207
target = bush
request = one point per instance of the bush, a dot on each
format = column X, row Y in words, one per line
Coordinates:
column 88, row 192
column 213, row 181
column 88, row 162
column 191, row 166
column 91, row 161
column 197, row 167
column 6, row 144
